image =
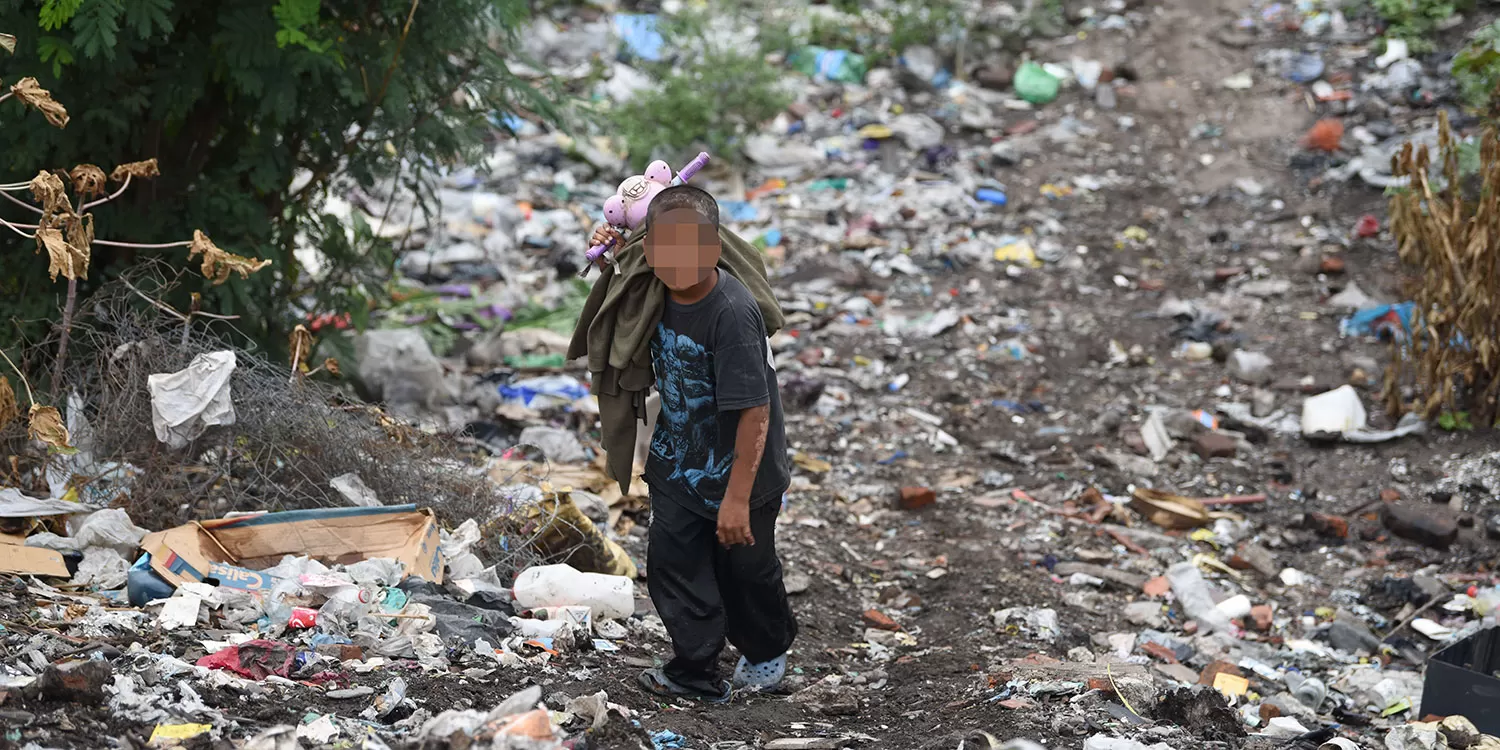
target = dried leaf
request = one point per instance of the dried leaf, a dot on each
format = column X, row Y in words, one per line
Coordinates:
column 48, row 190
column 9, row 411
column 217, row 264
column 299, row 345
column 46, row 425
column 8, row 43
column 331, row 365
column 141, row 170
column 62, row 257
column 87, row 180
column 31, row 92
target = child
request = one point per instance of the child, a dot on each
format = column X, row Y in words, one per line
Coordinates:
column 717, row 466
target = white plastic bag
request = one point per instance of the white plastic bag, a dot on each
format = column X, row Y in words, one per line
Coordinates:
column 187, row 402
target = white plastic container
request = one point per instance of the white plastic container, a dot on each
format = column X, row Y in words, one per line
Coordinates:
column 562, row 586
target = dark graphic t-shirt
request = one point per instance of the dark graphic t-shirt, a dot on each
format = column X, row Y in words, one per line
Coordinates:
column 712, row 360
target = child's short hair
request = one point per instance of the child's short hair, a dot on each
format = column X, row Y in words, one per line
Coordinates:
column 685, row 196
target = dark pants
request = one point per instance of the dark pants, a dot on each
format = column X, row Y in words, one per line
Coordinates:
column 704, row 592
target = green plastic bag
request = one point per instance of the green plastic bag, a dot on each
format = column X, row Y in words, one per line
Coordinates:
column 1034, row 84
column 838, row 65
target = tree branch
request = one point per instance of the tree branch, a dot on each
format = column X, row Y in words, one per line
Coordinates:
column 105, row 199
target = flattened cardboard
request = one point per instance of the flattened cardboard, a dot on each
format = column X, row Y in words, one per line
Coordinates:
column 233, row 552
column 16, row 557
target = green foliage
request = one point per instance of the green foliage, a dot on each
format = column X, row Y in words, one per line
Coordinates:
column 236, row 99
column 1477, row 66
column 713, row 97
column 1415, row 21
column 1455, row 420
column 928, row 22
column 879, row 33
column 295, row 18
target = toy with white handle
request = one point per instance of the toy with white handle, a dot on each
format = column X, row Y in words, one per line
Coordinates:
column 626, row 209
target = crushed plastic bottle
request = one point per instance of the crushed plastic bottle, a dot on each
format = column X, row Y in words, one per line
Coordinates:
column 1197, row 601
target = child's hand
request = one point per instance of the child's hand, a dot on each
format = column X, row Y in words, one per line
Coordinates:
column 604, row 235
column 734, row 523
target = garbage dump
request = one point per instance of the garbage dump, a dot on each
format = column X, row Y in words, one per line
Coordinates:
column 1087, row 306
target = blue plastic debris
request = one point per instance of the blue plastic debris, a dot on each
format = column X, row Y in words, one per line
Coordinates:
column 773, row 237
column 1305, row 68
column 553, row 387
column 1381, row 320
column 640, row 34
column 893, row 458
column 666, row 739
column 738, row 210
column 991, row 195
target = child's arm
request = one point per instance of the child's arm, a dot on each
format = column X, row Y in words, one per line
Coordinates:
column 749, row 447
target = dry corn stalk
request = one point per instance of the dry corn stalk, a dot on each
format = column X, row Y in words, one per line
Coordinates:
column 1452, row 361
column 31, row 92
column 9, row 411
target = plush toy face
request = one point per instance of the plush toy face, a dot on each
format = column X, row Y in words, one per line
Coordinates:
column 634, row 196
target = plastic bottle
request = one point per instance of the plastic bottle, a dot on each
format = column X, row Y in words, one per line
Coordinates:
column 561, row 585
column 1197, row 601
column 1311, row 692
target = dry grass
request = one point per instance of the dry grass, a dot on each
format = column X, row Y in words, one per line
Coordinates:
column 1450, row 243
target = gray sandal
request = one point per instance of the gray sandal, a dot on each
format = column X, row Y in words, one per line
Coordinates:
column 656, row 682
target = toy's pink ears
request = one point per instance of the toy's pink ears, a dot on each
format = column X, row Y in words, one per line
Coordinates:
column 614, row 210
column 658, row 171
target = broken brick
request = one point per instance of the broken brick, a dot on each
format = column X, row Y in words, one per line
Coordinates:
column 1159, row 651
column 1389, row 495
column 913, row 498
column 879, row 620
column 78, row 680
column 1332, row 265
column 1158, row 586
column 1214, row 445
column 1327, row 525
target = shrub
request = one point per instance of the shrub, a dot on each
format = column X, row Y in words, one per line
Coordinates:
column 238, row 98
column 1476, row 67
column 1415, row 21
column 714, row 95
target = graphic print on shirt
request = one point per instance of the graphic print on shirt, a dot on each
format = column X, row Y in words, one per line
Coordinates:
column 688, row 427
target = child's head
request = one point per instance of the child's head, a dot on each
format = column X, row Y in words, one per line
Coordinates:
column 682, row 242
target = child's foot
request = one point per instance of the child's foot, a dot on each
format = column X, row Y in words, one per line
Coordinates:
column 763, row 676
column 657, row 683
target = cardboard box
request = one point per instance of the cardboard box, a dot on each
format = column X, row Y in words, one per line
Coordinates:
column 233, row 551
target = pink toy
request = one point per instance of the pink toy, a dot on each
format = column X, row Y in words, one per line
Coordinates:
column 628, row 205
column 626, row 209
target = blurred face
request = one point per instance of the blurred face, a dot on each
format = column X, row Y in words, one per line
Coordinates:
column 682, row 248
